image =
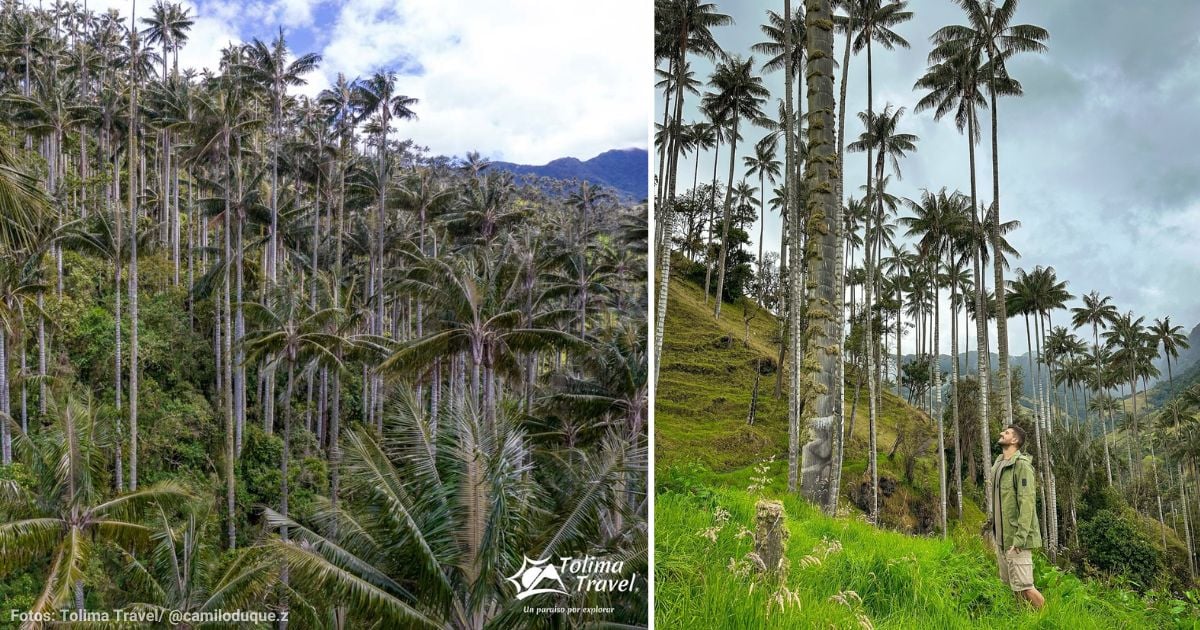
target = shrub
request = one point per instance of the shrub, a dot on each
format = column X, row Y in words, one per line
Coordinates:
column 1115, row 545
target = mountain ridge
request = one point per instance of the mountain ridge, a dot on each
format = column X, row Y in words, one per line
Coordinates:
column 623, row 170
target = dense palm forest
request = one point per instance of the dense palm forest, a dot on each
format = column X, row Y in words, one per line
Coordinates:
column 860, row 271
column 260, row 353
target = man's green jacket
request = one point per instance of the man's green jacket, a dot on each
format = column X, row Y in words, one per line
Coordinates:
column 1014, row 487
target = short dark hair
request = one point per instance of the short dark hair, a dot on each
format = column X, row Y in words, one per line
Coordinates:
column 1019, row 432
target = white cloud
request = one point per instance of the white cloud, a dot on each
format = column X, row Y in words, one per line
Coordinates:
column 520, row 80
column 213, row 30
column 528, row 81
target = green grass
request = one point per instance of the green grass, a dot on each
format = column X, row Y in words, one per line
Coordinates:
column 902, row 581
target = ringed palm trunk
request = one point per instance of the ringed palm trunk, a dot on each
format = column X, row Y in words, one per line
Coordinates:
column 712, row 205
column 725, row 219
column 822, row 346
column 660, row 196
column 41, row 355
column 286, row 455
column 227, row 380
column 981, row 347
column 5, row 438
column 1187, row 530
column 1038, row 414
column 793, row 301
column 1047, row 458
column 133, row 288
column 762, row 226
column 958, row 436
column 997, row 261
column 936, row 405
column 660, row 313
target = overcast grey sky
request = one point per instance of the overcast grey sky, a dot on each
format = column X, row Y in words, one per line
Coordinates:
column 1097, row 159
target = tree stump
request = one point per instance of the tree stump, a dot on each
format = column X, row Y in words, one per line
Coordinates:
column 770, row 536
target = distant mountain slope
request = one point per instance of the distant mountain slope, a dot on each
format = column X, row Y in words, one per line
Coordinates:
column 622, row 169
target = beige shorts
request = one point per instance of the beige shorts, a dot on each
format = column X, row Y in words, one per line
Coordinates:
column 1016, row 569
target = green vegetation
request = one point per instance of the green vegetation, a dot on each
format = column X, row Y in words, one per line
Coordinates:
column 709, row 458
column 846, row 573
column 258, row 353
column 856, row 279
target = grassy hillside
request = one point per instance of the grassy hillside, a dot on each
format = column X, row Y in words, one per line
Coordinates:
column 876, row 579
column 707, row 458
column 705, row 384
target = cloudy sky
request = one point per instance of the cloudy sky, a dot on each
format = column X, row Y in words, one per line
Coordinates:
column 1097, row 160
column 518, row 80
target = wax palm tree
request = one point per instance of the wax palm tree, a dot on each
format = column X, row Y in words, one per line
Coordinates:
column 683, row 28
column 880, row 136
column 1126, row 337
column 479, row 315
column 447, row 498
column 763, row 164
column 738, row 95
column 182, row 572
column 287, row 332
column 65, row 513
column 1172, row 339
column 267, row 67
column 19, row 288
column 989, row 33
column 1098, row 313
column 935, row 221
column 222, row 119
column 377, row 96
column 1103, row 406
column 100, row 236
column 168, row 26
column 953, row 84
column 1049, row 294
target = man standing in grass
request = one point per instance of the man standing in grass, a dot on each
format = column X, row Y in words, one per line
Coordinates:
column 1015, row 523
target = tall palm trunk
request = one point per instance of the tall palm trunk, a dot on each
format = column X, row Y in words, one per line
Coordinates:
column 868, row 335
column 1048, row 463
column 133, row 275
column 1038, row 414
column 712, row 205
column 793, row 301
column 981, row 347
column 283, row 459
column 997, row 259
column 660, row 313
column 954, row 376
column 936, row 403
column 41, row 354
column 660, row 193
column 725, row 220
column 822, row 346
column 839, row 295
column 227, row 379
column 5, row 438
